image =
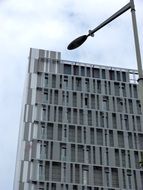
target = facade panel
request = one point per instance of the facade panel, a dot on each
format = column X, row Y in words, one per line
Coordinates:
column 81, row 127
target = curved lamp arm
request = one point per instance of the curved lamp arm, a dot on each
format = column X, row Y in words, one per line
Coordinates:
column 80, row 40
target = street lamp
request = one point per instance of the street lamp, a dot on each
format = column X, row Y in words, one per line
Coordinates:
column 80, row 40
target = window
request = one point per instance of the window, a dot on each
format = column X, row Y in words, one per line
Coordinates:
column 98, row 86
column 56, row 171
column 135, row 91
column 105, row 103
column 130, row 106
column 75, row 70
column 86, row 101
column 109, row 87
column 61, row 81
column 74, row 99
column 111, row 139
column 63, row 173
column 117, row 157
column 111, row 75
column 60, row 115
column 89, row 115
column 69, row 115
column 99, row 137
column 122, row 90
column 86, row 160
column 81, row 100
column 136, row 156
column 55, row 113
column 118, row 75
column 138, row 121
column 119, row 105
column 75, row 187
column 94, row 86
column 49, row 114
column 59, row 132
column 103, row 74
column 82, row 71
column 51, row 96
column 64, row 136
column 79, row 135
column 47, row 186
column 77, row 174
column 107, row 176
column 87, row 85
column 135, row 180
column 138, row 105
column 67, row 69
column 74, row 116
column 141, row 174
column 64, row 99
column 71, row 133
column 56, row 97
column 98, row 176
column 63, row 152
column 106, row 137
column 47, row 169
column 114, row 122
column 116, row 87
column 115, row 180
column 72, row 153
column 126, row 120
column 41, row 171
column 84, row 135
column 53, row 81
column 44, row 114
column 95, row 73
column 107, row 156
column 140, row 139
column 44, row 150
column 130, row 140
column 53, row 65
column 43, row 132
column 120, row 139
column 50, row 131
column 101, row 119
column 93, row 101
column 92, row 135
column 46, row 80
column 84, row 175
column 81, row 117
column 88, row 71
column 78, row 84
column 53, row 186
column 46, row 97
column 123, row 155
column 124, row 76
column 65, row 82
column 80, row 153
column 129, row 159
column 41, row 186
column 105, row 87
column 129, row 174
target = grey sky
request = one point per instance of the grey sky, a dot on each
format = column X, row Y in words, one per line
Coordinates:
column 50, row 24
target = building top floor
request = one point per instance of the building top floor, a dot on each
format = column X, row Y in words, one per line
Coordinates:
column 50, row 62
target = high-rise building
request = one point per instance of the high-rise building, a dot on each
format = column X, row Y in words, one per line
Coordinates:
column 81, row 127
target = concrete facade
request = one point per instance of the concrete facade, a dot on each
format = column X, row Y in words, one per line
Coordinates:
column 81, row 127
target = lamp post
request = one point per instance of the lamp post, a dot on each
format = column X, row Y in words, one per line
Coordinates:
column 80, row 40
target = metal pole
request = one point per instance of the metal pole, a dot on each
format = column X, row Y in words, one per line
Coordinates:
column 114, row 16
column 138, row 54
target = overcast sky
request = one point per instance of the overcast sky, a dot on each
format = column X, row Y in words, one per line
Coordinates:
column 51, row 25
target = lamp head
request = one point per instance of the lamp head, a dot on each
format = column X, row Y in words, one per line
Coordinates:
column 77, row 42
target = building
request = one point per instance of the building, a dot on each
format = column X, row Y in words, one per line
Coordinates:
column 81, row 127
